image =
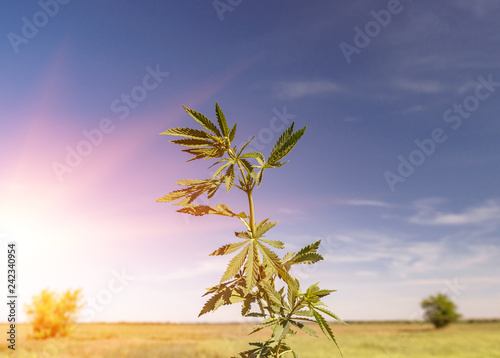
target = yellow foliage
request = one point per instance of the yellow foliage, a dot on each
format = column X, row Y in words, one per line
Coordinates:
column 51, row 314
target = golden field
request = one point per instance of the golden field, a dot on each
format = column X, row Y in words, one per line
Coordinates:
column 358, row 340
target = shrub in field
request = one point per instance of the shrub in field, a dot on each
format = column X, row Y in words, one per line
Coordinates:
column 51, row 314
column 439, row 310
column 256, row 276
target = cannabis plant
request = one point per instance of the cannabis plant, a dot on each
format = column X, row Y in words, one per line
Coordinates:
column 256, row 276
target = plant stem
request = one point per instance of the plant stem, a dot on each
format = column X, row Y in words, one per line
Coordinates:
column 252, row 216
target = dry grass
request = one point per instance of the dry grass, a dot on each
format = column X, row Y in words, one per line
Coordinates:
column 221, row 340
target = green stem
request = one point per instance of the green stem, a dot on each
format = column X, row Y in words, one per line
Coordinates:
column 252, row 215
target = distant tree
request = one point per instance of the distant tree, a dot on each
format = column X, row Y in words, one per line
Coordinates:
column 440, row 310
column 51, row 314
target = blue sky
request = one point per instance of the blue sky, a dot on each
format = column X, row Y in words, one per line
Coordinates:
column 397, row 173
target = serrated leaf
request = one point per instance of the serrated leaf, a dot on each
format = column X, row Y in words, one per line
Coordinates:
column 252, row 266
column 274, row 243
column 281, row 330
column 229, row 177
column 283, row 147
column 221, row 119
column 273, row 295
column 187, row 132
column 243, row 234
column 307, row 313
column 220, row 169
column 263, row 227
column 212, row 304
column 309, row 258
column 228, row 249
column 247, row 165
column 232, row 133
column 331, row 314
column 197, row 210
column 191, row 142
column 189, row 182
column 273, row 261
column 323, row 324
column 304, row 328
column 204, row 153
column 266, row 323
column 244, row 146
column 282, row 139
column 235, row 265
column 204, row 121
column 256, row 155
column 288, row 256
column 247, row 304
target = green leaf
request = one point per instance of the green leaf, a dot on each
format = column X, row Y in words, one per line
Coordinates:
column 257, row 155
column 244, row 146
column 229, row 178
column 263, row 227
column 243, row 234
column 331, row 314
column 204, row 121
column 220, row 169
column 191, row 142
column 281, row 330
column 247, row 304
column 213, row 303
column 187, row 132
column 274, row 243
column 323, row 324
column 281, row 140
column 228, row 249
column 204, row 153
column 309, row 258
column 235, row 265
column 252, row 266
column 284, row 145
column 266, row 323
column 232, row 133
column 246, row 165
column 273, row 260
column 304, row 328
column 221, row 119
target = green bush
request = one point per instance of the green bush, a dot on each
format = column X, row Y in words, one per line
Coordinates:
column 440, row 310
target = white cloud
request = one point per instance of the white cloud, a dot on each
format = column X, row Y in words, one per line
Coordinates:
column 355, row 202
column 428, row 87
column 299, row 89
column 427, row 214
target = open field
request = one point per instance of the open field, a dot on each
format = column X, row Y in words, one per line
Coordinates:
column 370, row 340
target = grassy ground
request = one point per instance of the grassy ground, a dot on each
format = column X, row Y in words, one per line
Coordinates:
column 358, row 340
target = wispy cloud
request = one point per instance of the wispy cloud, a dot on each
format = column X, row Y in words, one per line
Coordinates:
column 298, row 89
column 427, row 214
column 427, row 87
column 410, row 259
column 356, row 202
